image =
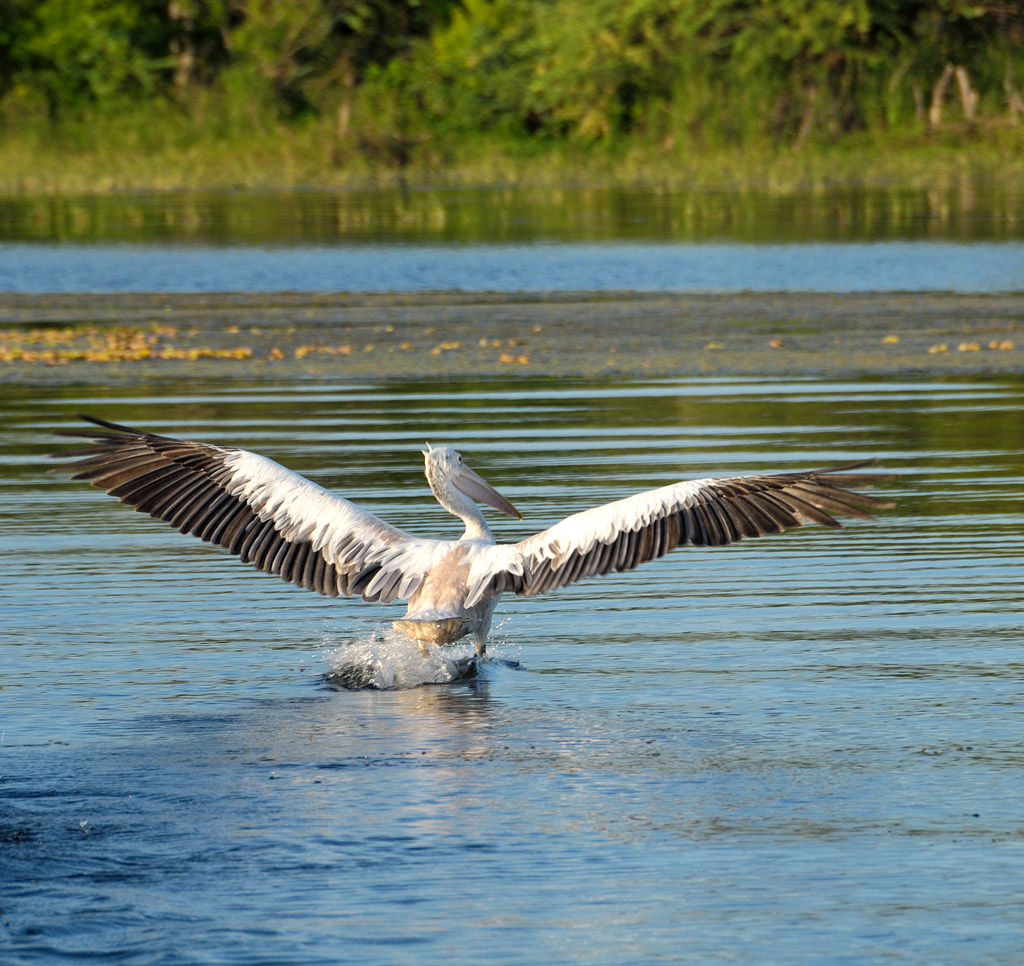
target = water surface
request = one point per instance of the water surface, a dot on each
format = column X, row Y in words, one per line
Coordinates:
column 805, row 749
column 712, row 267
column 961, row 238
column 968, row 211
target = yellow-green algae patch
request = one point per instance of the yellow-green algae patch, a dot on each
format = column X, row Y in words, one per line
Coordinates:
column 121, row 339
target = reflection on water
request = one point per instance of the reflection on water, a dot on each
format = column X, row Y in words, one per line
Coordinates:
column 966, row 237
column 758, row 747
column 967, row 211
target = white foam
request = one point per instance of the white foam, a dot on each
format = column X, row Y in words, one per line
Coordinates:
column 385, row 660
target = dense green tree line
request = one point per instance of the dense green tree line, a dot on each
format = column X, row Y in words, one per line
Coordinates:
column 387, row 76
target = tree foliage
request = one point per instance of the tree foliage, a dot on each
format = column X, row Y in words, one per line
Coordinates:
column 395, row 73
column 78, row 51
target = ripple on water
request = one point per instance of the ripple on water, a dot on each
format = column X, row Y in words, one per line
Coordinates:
column 725, row 756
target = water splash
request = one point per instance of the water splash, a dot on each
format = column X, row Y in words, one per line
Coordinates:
column 386, row 660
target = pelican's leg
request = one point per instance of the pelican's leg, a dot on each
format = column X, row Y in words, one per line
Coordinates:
column 482, row 630
column 424, row 648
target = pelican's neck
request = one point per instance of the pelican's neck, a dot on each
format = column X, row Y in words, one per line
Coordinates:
column 459, row 505
column 476, row 526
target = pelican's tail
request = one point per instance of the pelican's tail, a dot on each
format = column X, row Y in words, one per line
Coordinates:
column 436, row 627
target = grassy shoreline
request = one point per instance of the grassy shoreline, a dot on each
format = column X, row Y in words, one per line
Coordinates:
column 163, row 152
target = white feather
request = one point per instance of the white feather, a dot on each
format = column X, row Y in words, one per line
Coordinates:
column 456, row 580
column 349, row 536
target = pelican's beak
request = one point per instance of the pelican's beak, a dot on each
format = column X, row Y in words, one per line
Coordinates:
column 477, row 488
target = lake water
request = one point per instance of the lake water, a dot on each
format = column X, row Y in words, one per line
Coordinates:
column 890, row 267
column 965, row 237
column 803, row 749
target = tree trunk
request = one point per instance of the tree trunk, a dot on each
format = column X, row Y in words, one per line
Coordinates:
column 184, row 62
column 968, row 95
column 807, row 120
column 938, row 94
column 343, row 121
column 182, row 51
column 895, row 80
column 915, row 88
column 344, row 116
column 1014, row 101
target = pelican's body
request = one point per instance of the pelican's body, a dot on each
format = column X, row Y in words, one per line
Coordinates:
column 439, row 611
column 286, row 525
column 443, row 592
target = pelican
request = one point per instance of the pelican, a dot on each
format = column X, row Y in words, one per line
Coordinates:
column 286, row 525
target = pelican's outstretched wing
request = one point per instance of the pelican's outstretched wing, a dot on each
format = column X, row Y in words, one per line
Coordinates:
column 629, row 532
column 257, row 509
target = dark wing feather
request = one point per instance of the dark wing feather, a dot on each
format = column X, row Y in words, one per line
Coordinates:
column 254, row 508
column 711, row 512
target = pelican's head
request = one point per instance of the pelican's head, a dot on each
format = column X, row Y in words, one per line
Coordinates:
column 451, row 480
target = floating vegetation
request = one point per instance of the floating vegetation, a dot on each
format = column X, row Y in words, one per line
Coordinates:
column 143, row 336
column 327, row 350
column 121, row 343
column 59, row 346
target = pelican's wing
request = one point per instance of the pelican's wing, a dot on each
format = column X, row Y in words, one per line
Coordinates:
column 629, row 532
column 259, row 510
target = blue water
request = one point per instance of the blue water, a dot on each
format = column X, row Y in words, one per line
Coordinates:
column 804, row 749
column 961, row 237
column 892, row 266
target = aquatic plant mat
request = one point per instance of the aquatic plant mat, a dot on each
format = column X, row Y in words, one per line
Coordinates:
column 129, row 338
